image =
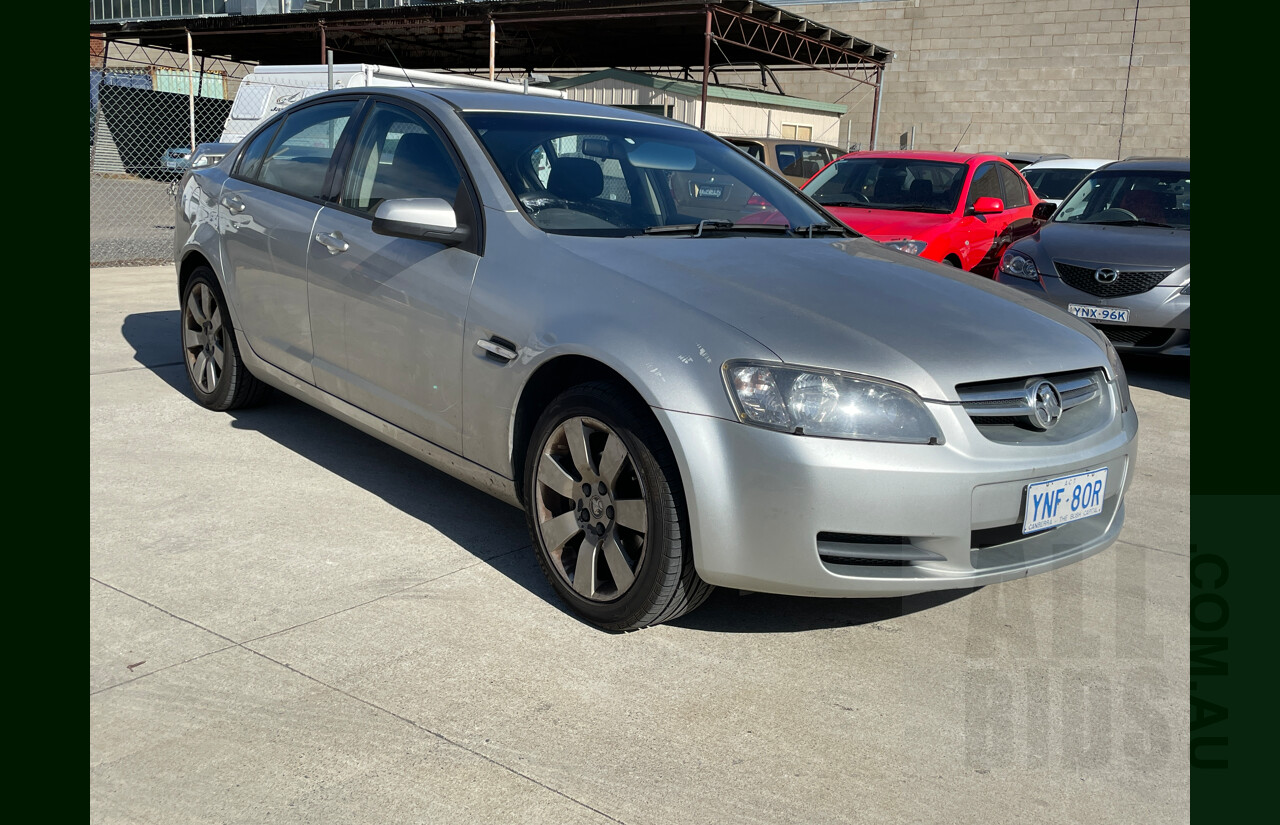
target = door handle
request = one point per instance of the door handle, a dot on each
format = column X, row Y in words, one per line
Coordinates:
column 233, row 203
column 332, row 242
column 499, row 350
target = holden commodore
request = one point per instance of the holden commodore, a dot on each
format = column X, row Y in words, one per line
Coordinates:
column 565, row 305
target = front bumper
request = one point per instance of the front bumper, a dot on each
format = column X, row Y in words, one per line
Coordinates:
column 1159, row 319
column 759, row 499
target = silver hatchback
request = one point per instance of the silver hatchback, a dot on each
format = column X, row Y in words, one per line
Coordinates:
column 687, row 373
column 1117, row 253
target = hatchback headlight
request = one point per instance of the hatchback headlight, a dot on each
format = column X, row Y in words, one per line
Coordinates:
column 827, row 403
column 1118, row 375
column 909, row 247
column 1019, row 265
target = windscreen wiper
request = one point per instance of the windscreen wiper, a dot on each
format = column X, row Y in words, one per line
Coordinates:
column 820, row 229
column 713, row 225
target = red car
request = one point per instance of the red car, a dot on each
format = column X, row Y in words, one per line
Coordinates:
column 954, row 207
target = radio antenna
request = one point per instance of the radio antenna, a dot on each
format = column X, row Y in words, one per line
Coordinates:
column 962, row 134
column 398, row 66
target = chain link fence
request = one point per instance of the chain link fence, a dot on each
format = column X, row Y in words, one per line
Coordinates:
column 141, row 125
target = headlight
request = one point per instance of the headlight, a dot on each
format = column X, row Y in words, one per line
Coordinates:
column 1019, row 265
column 827, row 403
column 909, row 247
column 1118, row 375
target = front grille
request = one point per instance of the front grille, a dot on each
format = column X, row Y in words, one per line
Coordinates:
column 867, row 549
column 1136, row 336
column 861, row 538
column 857, row 562
column 1126, row 283
column 1001, row 410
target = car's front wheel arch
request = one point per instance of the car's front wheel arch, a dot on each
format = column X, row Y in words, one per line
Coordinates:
column 544, row 386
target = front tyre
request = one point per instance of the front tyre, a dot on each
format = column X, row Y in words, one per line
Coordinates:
column 218, row 376
column 606, row 512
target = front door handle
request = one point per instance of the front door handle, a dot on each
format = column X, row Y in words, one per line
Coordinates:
column 501, row 351
column 332, row 242
column 233, row 203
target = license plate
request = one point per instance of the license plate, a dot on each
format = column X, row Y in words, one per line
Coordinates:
column 1113, row 315
column 1063, row 500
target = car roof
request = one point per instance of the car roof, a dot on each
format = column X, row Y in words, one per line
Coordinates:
column 1034, row 157
column 481, row 100
column 1068, row 163
column 771, row 141
column 1139, row 164
column 949, row 157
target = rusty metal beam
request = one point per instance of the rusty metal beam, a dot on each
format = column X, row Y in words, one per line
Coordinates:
column 706, row 67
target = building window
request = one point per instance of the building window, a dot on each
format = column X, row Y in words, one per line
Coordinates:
column 794, row 131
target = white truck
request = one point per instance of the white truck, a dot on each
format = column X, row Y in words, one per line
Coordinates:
column 268, row 89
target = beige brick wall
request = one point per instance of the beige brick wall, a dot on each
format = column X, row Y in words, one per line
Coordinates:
column 1020, row 75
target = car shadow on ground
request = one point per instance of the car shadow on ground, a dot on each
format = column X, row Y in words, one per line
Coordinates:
column 733, row 611
column 492, row 531
column 477, row 522
column 1170, row 375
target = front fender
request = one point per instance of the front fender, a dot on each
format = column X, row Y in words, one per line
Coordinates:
column 668, row 351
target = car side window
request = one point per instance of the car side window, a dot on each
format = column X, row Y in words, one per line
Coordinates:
column 298, row 159
column 799, row 160
column 986, row 184
column 251, row 157
column 1015, row 191
column 398, row 155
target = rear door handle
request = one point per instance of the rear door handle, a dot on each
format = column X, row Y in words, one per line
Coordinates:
column 233, row 203
column 332, row 242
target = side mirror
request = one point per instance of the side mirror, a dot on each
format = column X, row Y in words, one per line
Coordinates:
column 1044, row 211
column 427, row 219
column 986, row 206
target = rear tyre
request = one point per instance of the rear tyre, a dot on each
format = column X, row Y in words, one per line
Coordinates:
column 218, row 376
column 606, row 512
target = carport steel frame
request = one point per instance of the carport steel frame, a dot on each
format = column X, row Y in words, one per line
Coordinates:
column 533, row 37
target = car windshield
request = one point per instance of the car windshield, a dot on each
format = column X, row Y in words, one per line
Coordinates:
column 596, row 176
column 900, row 184
column 1146, row 198
column 1054, row 184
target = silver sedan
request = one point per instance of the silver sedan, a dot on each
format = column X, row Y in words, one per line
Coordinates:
column 687, row 373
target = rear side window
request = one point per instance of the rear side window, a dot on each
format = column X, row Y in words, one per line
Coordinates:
column 799, row 160
column 299, row 157
column 1015, row 191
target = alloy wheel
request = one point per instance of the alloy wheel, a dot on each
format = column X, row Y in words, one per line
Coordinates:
column 590, row 512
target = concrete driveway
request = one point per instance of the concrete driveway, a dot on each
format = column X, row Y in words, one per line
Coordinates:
column 292, row 622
